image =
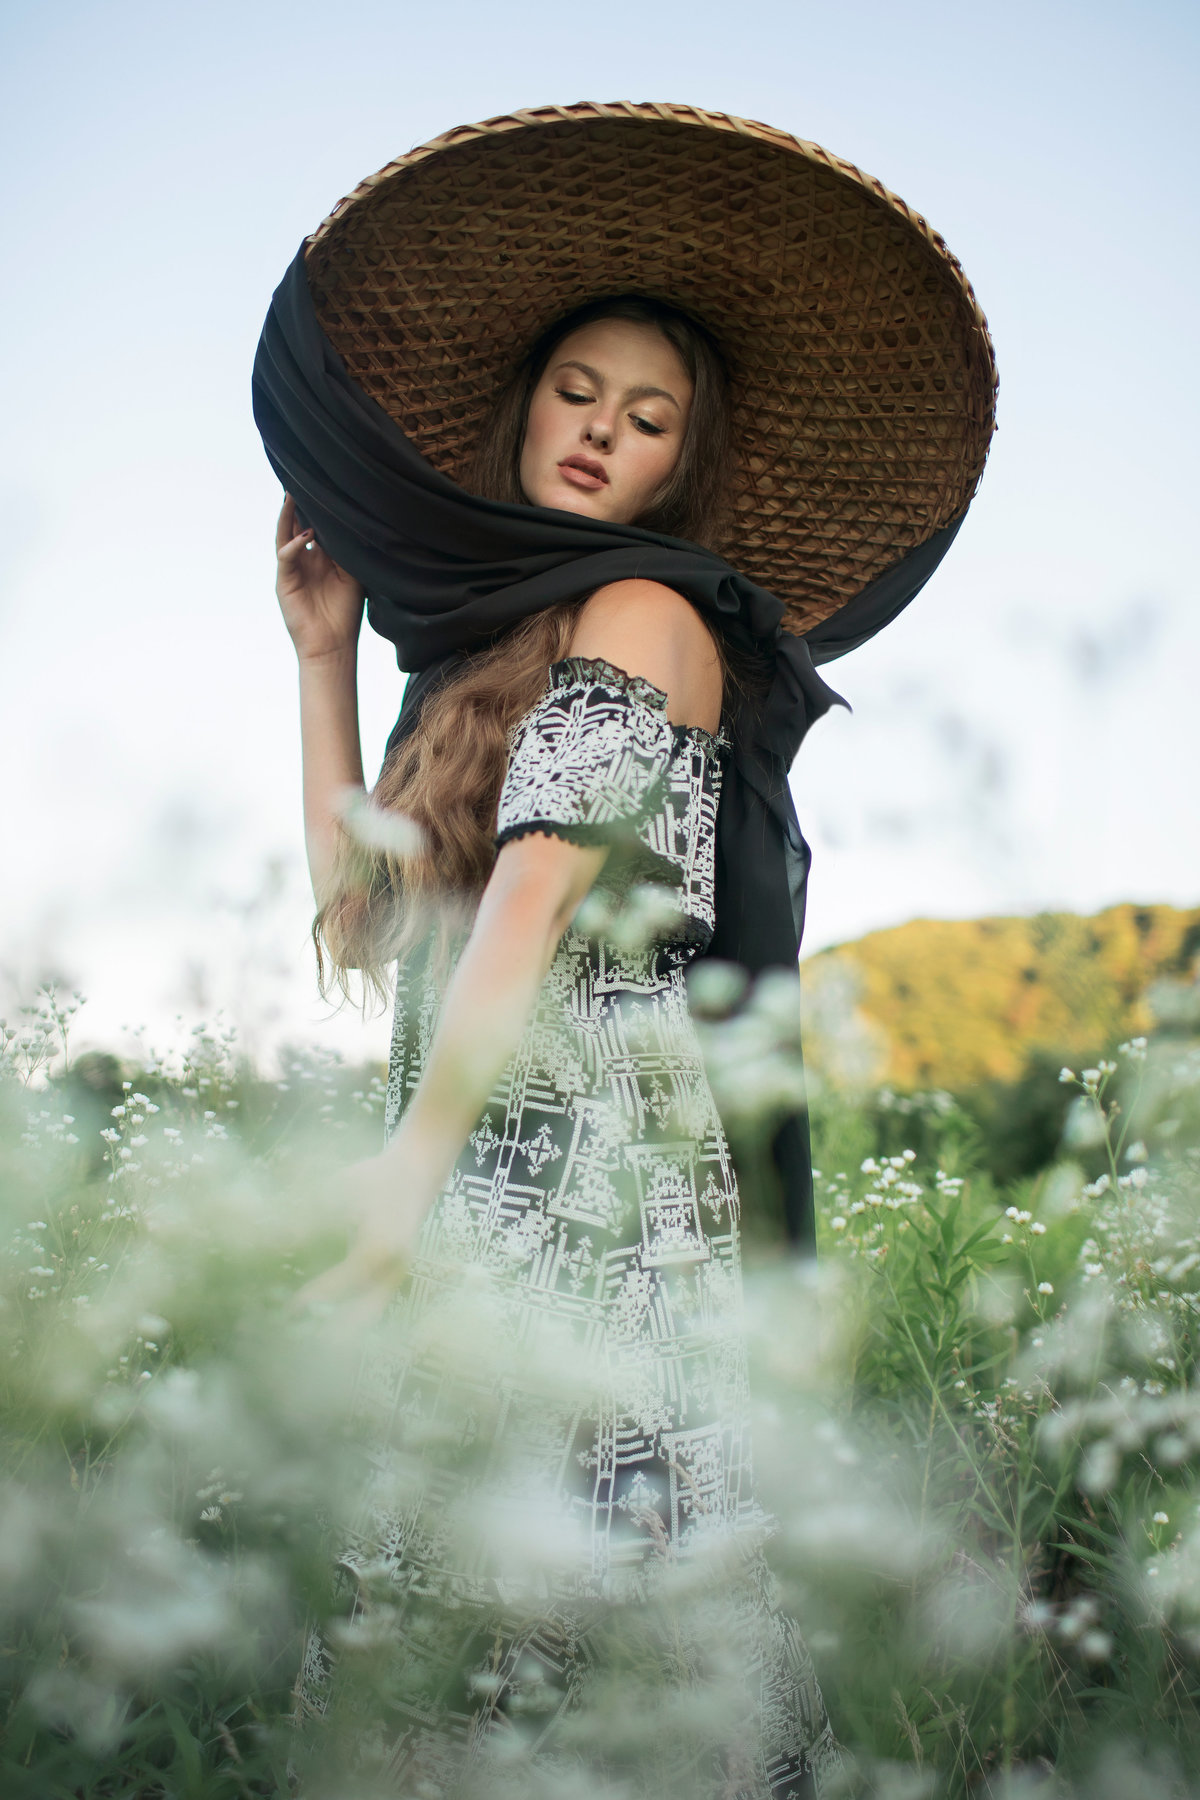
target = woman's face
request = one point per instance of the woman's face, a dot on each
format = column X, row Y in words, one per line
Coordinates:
column 606, row 422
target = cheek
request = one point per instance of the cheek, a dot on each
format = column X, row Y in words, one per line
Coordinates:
column 656, row 464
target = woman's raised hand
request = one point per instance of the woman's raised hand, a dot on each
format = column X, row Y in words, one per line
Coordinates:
column 321, row 604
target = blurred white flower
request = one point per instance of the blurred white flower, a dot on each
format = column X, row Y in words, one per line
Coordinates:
column 1045, row 1287
column 1084, row 1126
column 378, row 827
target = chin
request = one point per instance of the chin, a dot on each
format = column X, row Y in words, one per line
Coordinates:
column 573, row 502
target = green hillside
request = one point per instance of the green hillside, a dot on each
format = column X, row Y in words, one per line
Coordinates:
column 950, row 1003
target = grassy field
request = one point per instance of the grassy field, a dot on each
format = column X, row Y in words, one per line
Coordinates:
column 976, row 1423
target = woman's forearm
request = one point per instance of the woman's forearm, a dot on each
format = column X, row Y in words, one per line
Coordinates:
column 331, row 749
column 523, row 913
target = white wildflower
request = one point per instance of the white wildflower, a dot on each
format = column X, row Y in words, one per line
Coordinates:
column 378, row 827
column 1045, row 1287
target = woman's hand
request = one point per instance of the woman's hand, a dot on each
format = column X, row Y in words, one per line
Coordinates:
column 321, row 604
column 390, row 1195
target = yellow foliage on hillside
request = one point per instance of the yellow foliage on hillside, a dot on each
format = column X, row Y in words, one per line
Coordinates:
column 946, row 1003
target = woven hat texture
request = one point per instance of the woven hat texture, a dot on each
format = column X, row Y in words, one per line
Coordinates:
column 863, row 373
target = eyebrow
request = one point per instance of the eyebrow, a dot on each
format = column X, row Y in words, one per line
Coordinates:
column 642, row 392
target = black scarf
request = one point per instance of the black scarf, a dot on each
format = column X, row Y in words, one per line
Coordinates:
column 445, row 572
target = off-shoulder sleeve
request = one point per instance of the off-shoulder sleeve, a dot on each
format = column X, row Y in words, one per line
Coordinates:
column 589, row 760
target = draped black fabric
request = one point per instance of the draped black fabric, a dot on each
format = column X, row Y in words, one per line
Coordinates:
column 445, row 572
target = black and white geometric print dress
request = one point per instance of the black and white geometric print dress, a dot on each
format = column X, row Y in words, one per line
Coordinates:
column 595, row 1211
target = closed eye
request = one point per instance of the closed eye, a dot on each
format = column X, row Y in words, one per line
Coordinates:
column 572, row 398
column 647, row 426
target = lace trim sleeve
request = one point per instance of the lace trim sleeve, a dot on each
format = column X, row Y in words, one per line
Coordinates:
column 588, row 761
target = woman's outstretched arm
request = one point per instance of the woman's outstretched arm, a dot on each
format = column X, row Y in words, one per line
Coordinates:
column 537, row 883
column 322, row 609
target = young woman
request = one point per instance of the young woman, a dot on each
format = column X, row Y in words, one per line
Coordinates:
column 608, row 408
column 602, row 702
column 606, row 1152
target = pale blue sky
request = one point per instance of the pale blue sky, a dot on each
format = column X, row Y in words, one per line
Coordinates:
column 1025, row 736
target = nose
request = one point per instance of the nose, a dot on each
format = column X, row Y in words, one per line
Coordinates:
column 600, row 433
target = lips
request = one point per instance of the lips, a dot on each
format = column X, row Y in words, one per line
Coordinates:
column 584, row 471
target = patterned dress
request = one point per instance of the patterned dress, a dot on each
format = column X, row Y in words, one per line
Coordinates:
column 592, row 1527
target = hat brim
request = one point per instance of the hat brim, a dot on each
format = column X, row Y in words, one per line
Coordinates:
column 863, row 372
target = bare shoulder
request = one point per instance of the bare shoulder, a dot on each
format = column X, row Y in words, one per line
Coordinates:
column 648, row 629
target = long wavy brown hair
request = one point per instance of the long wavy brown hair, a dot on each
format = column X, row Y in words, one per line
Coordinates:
column 446, row 776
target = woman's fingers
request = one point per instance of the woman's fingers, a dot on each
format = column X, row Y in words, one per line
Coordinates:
column 286, row 536
column 348, row 1282
column 286, row 525
column 294, row 546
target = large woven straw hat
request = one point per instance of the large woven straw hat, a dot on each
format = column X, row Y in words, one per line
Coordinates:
column 863, row 372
